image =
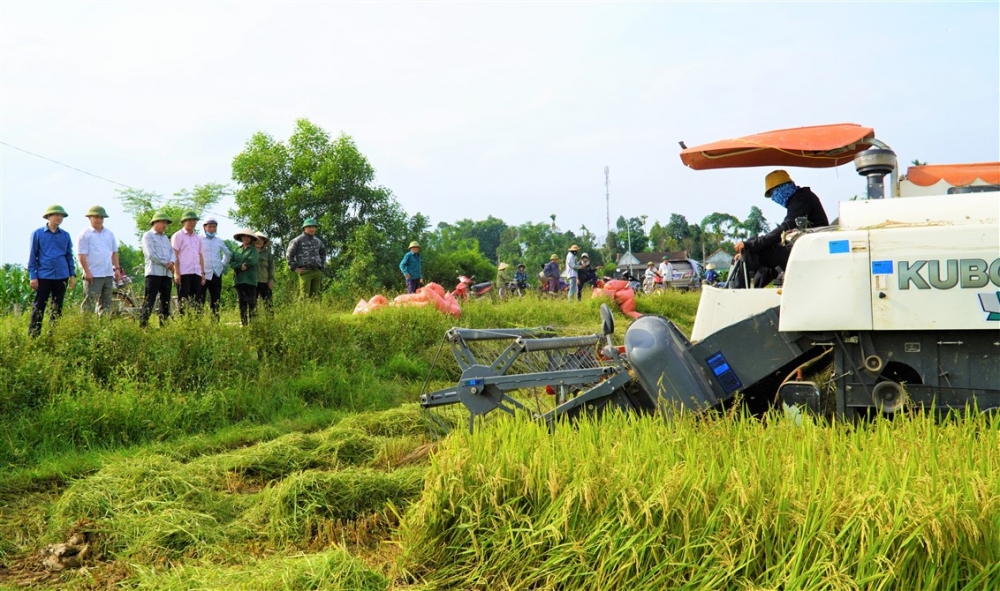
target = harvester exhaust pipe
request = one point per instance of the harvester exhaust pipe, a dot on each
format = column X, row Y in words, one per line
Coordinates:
column 875, row 164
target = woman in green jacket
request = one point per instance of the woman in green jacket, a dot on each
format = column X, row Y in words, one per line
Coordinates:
column 244, row 262
column 265, row 270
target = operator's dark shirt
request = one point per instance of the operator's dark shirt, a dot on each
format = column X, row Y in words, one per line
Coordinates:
column 802, row 203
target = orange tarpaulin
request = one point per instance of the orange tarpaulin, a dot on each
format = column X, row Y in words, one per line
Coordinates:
column 956, row 175
column 819, row 146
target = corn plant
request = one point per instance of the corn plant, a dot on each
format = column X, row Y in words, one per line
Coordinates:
column 15, row 291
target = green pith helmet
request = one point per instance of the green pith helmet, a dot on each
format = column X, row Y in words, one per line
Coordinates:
column 160, row 217
column 53, row 209
column 96, row 211
column 189, row 215
column 310, row 222
column 414, row 244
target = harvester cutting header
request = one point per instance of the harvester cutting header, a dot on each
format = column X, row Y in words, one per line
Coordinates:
column 897, row 304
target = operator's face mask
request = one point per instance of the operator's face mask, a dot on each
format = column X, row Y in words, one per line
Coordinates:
column 782, row 193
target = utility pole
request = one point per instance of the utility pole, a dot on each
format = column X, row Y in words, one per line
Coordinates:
column 607, row 196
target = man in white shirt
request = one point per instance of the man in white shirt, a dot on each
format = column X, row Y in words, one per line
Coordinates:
column 216, row 255
column 571, row 274
column 666, row 272
column 97, row 250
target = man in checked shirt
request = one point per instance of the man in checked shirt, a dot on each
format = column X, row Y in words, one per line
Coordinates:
column 160, row 265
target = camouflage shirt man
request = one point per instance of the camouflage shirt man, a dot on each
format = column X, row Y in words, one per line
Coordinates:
column 306, row 257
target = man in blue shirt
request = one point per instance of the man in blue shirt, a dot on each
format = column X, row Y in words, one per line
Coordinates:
column 410, row 266
column 50, row 267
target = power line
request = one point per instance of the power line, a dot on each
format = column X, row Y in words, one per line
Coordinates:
column 67, row 165
column 95, row 175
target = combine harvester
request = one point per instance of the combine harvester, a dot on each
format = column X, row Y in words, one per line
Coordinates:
column 896, row 306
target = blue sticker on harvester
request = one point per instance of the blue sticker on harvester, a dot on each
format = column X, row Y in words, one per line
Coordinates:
column 840, row 246
column 881, row 267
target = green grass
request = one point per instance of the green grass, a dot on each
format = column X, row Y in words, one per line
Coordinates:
column 291, row 455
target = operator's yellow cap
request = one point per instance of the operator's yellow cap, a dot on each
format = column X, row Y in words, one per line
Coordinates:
column 773, row 179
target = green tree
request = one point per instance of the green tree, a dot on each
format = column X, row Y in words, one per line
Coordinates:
column 487, row 233
column 755, row 224
column 143, row 204
column 448, row 253
column 628, row 232
column 281, row 184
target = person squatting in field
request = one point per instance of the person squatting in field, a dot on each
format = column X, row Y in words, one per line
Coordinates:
column 50, row 267
column 306, row 256
column 97, row 250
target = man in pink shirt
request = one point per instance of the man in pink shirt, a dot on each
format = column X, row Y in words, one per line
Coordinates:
column 189, row 272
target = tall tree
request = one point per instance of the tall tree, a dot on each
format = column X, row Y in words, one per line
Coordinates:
column 281, row 184
column 143, row 204
column 755, row 224
column 628, row 234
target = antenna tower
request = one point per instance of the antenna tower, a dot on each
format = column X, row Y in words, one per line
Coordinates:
column 607, row 195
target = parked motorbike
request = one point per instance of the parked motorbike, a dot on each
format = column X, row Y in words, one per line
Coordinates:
column 467, row 289
column 633, row 283
column 513, row 289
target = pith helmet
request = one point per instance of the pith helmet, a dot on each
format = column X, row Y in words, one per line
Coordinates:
column 189, row 215
column 54, row 209
column 553, row 258
column 773, row 179
column 240, row 233
column 310, row 222
column 160, row 217
column 97, row 211
column 414, row 244
column 649, row 264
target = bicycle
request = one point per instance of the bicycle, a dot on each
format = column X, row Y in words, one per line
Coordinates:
column 124, row 302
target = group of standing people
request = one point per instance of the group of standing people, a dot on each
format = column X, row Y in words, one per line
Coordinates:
column 577, row 273
column 194, row 263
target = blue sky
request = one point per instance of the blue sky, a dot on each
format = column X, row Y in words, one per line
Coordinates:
column 474, row 109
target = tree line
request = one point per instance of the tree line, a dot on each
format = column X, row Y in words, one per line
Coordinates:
column 279, row 184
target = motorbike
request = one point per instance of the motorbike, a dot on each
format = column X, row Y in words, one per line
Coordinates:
column 467, row 289
column 655, row 286
column 513, row 289
column 633, row 283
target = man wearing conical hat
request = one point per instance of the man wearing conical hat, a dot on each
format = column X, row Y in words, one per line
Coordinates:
column 571, row 271
column 189, row 273
column 97, row 250
column 160, row 265
column 50, row 267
